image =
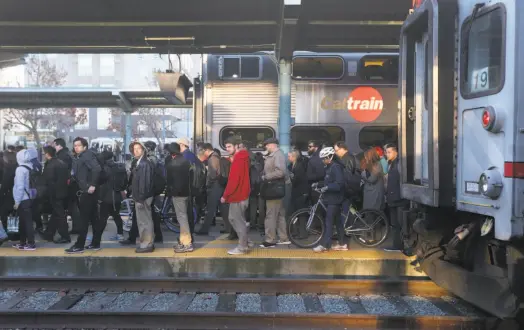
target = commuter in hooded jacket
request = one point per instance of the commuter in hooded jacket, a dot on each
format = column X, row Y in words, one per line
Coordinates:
column 237, row 194
column 142, row 193
column 23, row 196
column 86, row 173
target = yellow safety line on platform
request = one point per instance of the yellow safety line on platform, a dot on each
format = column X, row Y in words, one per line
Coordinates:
column 212, row 253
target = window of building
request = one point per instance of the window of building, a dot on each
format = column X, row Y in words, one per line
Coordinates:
column 103, row 118
column 318, row 67
column 372, row 136
column 239, row 67
column 85, row 65
column 483, row 52
column 107, row 65
column 301, row 135
column 379, row 68
column 254, row 136
column 82, row 118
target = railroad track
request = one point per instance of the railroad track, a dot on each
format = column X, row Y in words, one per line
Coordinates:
column 116, row 303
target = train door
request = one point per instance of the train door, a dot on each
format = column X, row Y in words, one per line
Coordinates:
column 426, row 116
column 486, row 129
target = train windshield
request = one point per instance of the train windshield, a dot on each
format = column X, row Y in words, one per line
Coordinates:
column 379, row 68
column 483, row 54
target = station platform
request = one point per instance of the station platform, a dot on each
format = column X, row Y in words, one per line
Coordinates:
column 209, row 260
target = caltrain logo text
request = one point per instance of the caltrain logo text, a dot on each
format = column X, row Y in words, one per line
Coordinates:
column 365, row 104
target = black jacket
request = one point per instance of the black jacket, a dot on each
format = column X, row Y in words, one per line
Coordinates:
column 299, row 181
column 178, row 176
column 334, row 181
column 107, row 190
column 65, row 156
column 142, row 182
column 8, row 181
column 315, row 169
column 55, row 178
column 349, row 161
column 86, row 170
column 393, row 196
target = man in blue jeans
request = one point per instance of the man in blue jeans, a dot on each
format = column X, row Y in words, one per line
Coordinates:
column 332, row 197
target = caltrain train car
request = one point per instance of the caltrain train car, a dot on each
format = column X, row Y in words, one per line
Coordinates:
column 462, row 147
column 350, row 96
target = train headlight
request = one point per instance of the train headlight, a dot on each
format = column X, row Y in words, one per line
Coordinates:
column 490, row 183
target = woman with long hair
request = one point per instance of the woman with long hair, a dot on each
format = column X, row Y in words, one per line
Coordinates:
column 373, row 177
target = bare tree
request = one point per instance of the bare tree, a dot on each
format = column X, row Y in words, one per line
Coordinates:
column 42, row 73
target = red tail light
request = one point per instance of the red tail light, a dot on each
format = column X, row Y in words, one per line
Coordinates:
column 514, row 170
column 486, row 118
column 416, row 3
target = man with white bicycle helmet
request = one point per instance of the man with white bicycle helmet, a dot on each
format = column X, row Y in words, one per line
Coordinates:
column 332, row 196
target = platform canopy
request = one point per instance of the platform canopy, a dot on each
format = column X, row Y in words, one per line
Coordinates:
column 200, row 26
column 30, row 98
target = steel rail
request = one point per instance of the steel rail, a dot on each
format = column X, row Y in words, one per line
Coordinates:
column 248, row 285
column 213, row 320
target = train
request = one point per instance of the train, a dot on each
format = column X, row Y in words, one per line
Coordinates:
column 461, row 147
column 346, row 96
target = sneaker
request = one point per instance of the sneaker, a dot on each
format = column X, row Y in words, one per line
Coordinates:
column 27, row 247
column 179, row 248
column 392, row 249
column 74, row 250
column 320, row 249
column 117, row 237
column 283, row 243
column 91, row 247
column 127, row 242
column 339, row 247
column 17, row 246
column 236, row 251
column 266, row 245
column 250, row 244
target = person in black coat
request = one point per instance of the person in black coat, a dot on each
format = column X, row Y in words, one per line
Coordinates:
column 394, row 199
column 111, row 193
column 315, row 168
column 299, row 181
column 6, row 188
column 55, row 180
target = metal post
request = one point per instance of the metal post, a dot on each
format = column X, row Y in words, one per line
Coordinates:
column 284, row 108
column 129, row 132
column 163, row 127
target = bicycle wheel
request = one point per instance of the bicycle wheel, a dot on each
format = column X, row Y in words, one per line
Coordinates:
column 300, row 235
column 374, row 228
column 170, row 220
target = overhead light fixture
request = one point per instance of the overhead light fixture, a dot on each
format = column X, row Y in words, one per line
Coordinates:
column 77, row 47
column 169, row 38
column 223, row 46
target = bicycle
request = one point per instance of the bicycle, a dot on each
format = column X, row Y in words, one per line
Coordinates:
column 162, row 206
column 356, row 225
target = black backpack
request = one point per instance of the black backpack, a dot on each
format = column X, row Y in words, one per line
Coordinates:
column 103, row 176
column 255, row 175
column 119, row 175
column 352, row 177
column 159, row 178
column 35, row 186
column 225, row 167
column 197, row 177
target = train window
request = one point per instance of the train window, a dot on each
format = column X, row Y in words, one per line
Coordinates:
column 318, row 67
column 239, row 67
column 253, row 135
column 483, row 52
column 301, row 135
column 371, row 136
column 379, row 68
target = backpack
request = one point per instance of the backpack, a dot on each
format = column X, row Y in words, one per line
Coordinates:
column 225, row 167
column 352, row 177
column 197, row 172
column 34, row 183
column 103, row 176
column 119, row 175
column 159, row 179
column 255, row 175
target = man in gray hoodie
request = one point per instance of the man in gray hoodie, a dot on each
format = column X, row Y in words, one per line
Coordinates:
column 23, row 194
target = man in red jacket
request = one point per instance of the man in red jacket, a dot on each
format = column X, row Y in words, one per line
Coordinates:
column 237, row 193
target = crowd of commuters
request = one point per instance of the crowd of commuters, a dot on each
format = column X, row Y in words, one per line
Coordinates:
column 252, row 190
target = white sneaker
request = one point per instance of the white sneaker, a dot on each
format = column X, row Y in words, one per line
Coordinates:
column 284, row 243
column 237, row 251
column 339, row 247
column 320, row 249
column 250, row 244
